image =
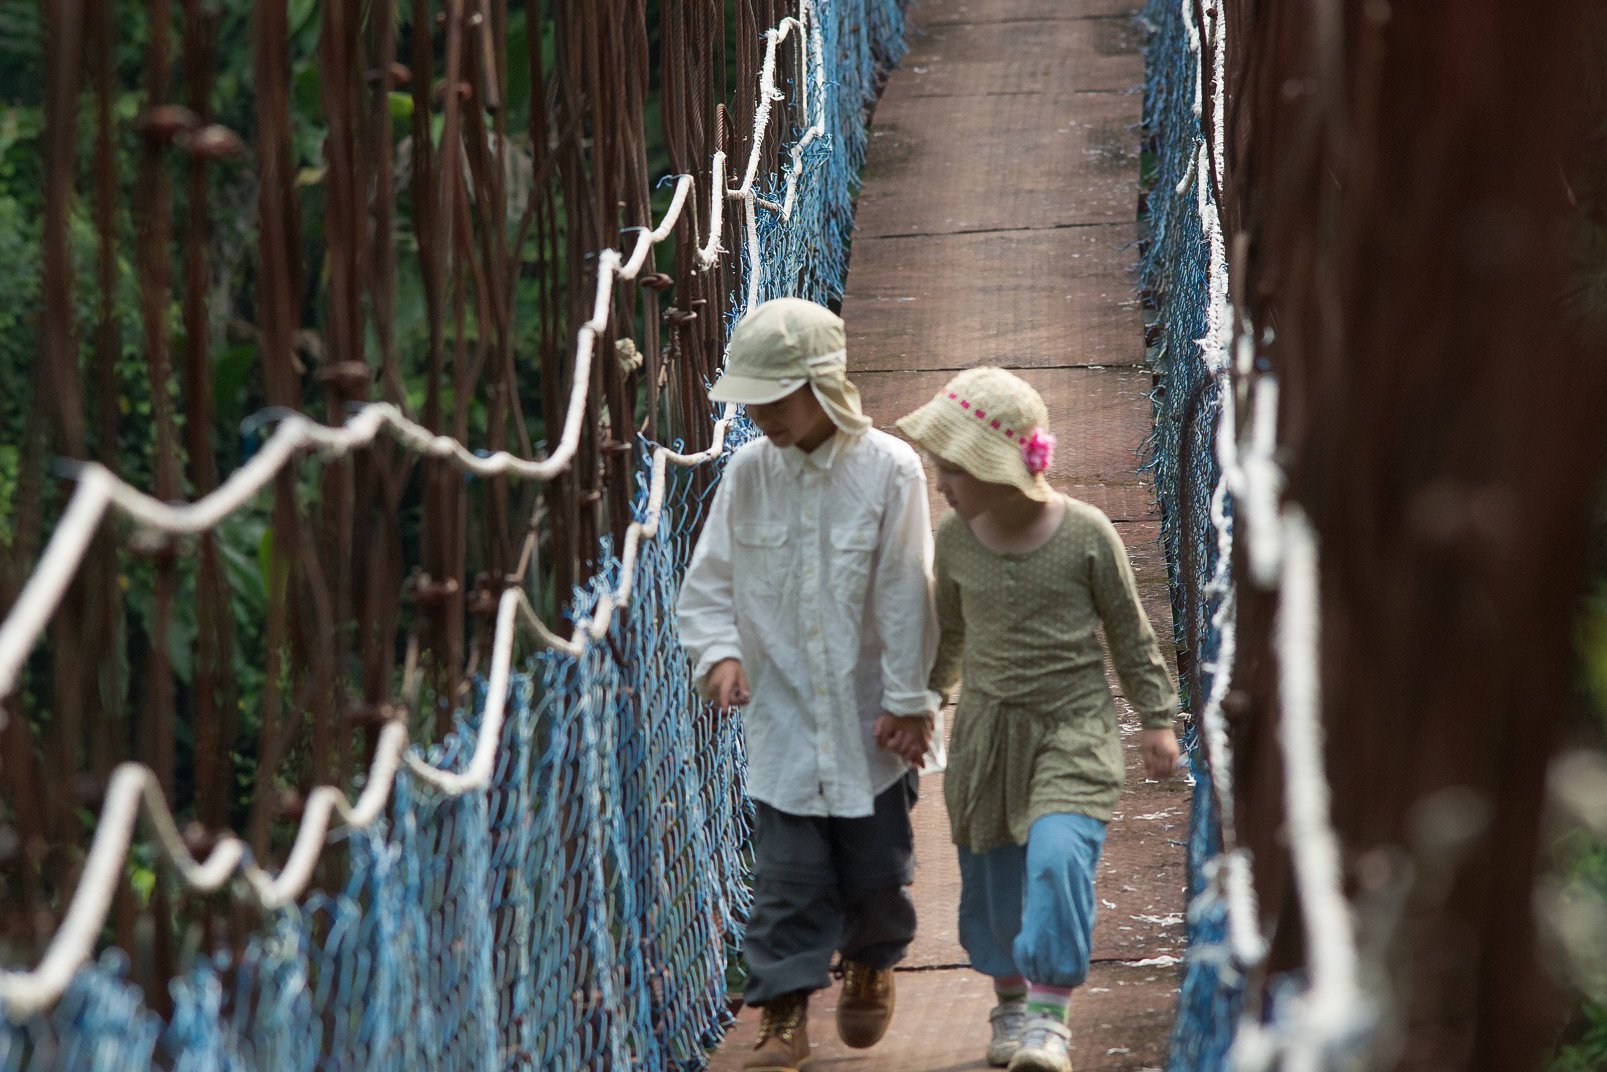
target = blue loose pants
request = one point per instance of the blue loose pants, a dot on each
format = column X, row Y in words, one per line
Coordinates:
column 1029, row 909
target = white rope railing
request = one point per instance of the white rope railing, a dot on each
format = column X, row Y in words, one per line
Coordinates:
column 134, row 788
column 1231, row 870
column 768, row 93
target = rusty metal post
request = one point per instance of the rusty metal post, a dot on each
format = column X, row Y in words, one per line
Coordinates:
column 1398, row 195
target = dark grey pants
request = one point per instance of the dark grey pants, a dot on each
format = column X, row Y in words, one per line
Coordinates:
column 824, row 885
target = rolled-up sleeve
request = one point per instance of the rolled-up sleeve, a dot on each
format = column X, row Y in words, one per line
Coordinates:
column 707, row 608
column 904, row 619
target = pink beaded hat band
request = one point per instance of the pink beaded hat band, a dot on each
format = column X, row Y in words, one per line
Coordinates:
column 992, row 424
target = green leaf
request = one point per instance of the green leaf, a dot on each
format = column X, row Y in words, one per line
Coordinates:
column 241, row 543
column 517, row 58
column 308, row 86
column 230, row 375
column 1593, row 649
column 265, row 558
column 142, row 877
column 10, row 458
column 301, row 16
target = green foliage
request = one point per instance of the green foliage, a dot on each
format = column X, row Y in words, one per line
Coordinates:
column 19, row 282
column 1584, row 1048
column 1589, row 1053
column 1588, row 187
column 22, row 41
column 1593, row 649
column 20, row 259
column 10, row 463
column 233, row 347
column 246, row 540
column 1584, row 860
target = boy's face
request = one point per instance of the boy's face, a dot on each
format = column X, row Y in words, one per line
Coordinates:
column 798, row 420
column 966, row 495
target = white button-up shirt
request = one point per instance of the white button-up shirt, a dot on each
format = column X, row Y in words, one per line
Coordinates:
column 814, row 569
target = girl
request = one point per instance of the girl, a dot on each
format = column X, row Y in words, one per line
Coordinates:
column 1023, row 577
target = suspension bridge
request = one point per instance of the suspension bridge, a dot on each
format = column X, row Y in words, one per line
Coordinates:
column 360, row 737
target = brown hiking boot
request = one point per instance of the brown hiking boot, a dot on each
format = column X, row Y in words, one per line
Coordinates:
column 865, row 1007
column 783, row 1043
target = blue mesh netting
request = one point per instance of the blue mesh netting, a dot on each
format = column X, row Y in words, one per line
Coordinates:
column 807, row 255
column 581, row 912
column 1174, row 273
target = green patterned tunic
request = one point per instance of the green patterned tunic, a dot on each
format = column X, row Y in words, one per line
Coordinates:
column 1035, row 732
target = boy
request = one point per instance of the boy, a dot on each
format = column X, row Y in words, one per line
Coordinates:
column 807, row 603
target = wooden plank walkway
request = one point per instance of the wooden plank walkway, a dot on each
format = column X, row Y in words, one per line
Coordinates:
column 997, row 226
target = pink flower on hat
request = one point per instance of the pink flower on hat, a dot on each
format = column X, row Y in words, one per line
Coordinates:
column 1038, row 450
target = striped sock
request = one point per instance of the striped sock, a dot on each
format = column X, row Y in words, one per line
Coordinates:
column 1010, row 992
column 1049, row 1001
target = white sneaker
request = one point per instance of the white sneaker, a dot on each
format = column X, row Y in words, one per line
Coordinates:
column 1045, row 1047
column 1009, row 1019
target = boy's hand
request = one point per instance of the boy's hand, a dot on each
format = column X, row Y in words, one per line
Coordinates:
column 908, row 735
column 1159, row 749
column 726, row 685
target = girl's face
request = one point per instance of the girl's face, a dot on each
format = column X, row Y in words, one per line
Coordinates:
column 968, row 496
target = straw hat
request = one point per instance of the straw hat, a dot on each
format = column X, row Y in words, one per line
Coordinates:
column 992, row 424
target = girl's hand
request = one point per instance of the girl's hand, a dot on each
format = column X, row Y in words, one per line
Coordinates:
column 908, row 735
column 1159, row 749
column 726, row 685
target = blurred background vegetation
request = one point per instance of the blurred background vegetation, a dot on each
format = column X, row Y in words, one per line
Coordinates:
column 1582, row 858
column 566, row 120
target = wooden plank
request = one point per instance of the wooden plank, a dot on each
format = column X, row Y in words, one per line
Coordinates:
column 928, row 13
column 1121, row 503
column 1041, row 57
column 999, row 162
column 1144, row 551
column 1119, row 1023
column 1021, row 299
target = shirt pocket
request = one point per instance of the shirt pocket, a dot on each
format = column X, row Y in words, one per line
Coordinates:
column 852, row 547
column 763, row 558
